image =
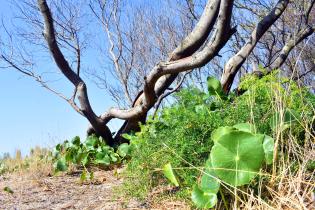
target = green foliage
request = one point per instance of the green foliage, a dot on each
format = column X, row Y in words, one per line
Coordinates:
column 169, row 173
column 93, row 151
column 61, row 165
column 268, row 145
column 203, row 200
column 209, row 181
column 235, row 159
column 184, row 133
column 215, row 88
column 237, row 156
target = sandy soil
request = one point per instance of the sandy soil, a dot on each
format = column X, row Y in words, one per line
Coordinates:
column 62, row 192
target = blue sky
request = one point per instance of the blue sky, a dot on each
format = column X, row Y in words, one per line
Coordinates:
column 31, row 115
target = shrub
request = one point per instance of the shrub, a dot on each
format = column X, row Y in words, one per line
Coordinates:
column 181, row 134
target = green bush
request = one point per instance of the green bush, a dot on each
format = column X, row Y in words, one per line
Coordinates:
column 93, row 151
column 181, row 134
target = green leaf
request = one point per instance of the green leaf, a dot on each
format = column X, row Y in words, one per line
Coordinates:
column 69, row 157
column 100, row 155
column 105, row 160
column 83, row 175
column 268, row 146
column 123, row 150
column 104, row 149
column 214, row 86
column 76, row 141
column 209, row 182
column 8, row 190
column 246, row 127
column 99, row 149
column 91, row 142
column 58, row 147
column 169, row 174
column 203, row 200
column 237, row 157
column 60, row 165
column 260, row 137
column 85, row 159
column 114, row 157
column 216, row 134
column 66, row 145
column 201, row 109
column 127, row 136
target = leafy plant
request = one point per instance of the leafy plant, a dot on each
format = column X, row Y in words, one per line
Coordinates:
column 93, row 151
column 235, row 159
column 184, row 132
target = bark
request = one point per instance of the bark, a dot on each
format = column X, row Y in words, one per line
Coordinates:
column 200, row 33
column 234, row 64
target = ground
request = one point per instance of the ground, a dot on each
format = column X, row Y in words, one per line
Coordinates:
column 62, row 192
column 65, row 191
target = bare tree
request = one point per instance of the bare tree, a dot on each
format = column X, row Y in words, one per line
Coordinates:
column 139, row 70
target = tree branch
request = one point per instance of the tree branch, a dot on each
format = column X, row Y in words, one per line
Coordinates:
column 288, row 47
column 218, row 40
column 100, row 128
column 234, row 64
column 187, row 48
column 166, row 94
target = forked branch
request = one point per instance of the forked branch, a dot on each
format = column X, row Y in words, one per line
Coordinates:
column 234, row 64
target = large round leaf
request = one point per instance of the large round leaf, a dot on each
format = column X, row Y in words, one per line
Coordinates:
column 60, row 165
column 91, row 142
column 203, row 200
column 102, row 158
column 76, row 141
column 237, row 157
column 217, row 133
column 209, row 181
column 246, row 127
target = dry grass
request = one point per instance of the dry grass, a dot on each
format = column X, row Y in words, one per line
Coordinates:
column 38, row 163
column 290, row 184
